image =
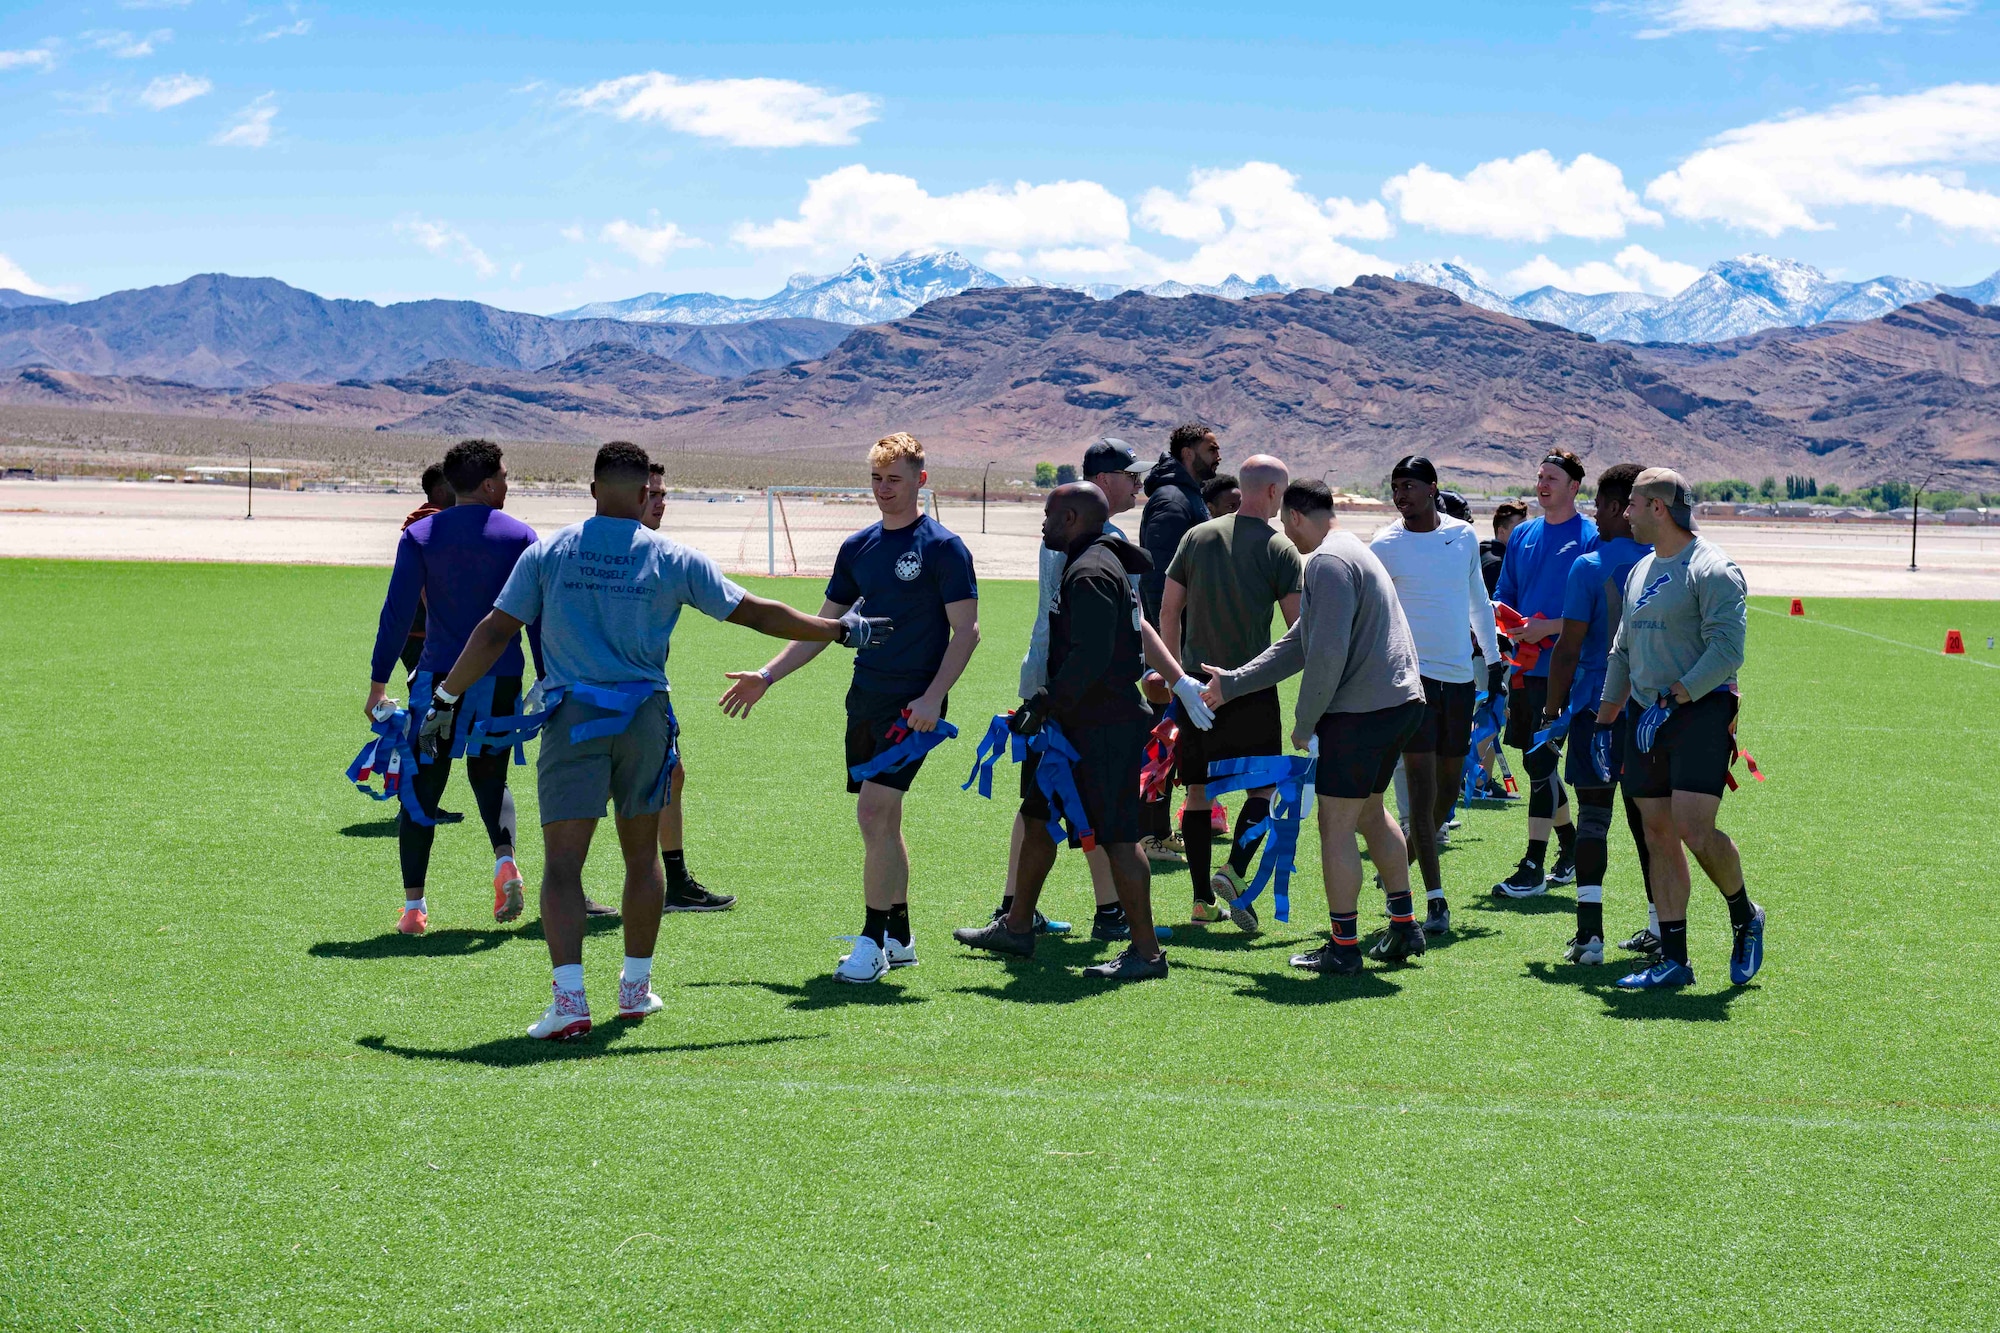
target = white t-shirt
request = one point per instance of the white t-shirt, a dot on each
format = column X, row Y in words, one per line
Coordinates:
column 1438, row 582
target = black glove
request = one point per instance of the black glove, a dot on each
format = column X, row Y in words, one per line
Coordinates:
column 1029, row 717
column 440, row 723
column 858, row 631
column 1496, row 678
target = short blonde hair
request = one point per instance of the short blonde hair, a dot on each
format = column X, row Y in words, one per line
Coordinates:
column 895, row 448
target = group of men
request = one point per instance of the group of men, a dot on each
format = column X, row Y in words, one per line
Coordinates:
column 1166, row 641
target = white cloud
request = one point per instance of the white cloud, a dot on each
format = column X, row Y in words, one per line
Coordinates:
column 173, row 89
column 447, row 242
column 1254, row 219
column 39, row 57
column 572, row 233
column 1527, row 198
column 649, row 245
column 1633, row 269
column 125, row 46
column 1678, row 16
column 746, row 113
column 855, row 208
column 1885, row 152
column 154, row 4
column 13, row 275
column 296, row 29
column 252, row 126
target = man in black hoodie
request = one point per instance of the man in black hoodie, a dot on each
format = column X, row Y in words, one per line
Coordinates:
column 1098, row 649
column 1173, row 505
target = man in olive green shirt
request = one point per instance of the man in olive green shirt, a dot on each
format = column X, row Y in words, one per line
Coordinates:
column 1226, row 578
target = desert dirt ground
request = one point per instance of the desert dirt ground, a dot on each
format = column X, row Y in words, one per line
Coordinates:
column 158, row 521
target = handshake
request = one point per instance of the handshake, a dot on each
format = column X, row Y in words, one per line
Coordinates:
column 858, row 631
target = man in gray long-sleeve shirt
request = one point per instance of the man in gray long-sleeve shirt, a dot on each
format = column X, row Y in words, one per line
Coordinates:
column 1675, row 656
column 1361, row 697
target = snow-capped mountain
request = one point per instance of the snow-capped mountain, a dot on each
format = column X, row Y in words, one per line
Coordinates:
column 865, row 292
column 1597, row 313
column 1459, row 282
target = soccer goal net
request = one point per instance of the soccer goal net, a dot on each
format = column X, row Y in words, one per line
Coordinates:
column 805, row 525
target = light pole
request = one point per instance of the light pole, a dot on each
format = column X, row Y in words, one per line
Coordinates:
column 1914, row 511
column 984, row 473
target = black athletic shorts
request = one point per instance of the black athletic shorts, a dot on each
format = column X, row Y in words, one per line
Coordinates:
column 1525, row 703
column 870, row 716
column 1446, row 729
column 1578, row 770
column 1245, row 728
column 1691, row 751
column 1358, row 751
column 1107, row 778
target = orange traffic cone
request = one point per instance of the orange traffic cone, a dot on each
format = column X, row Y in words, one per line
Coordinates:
column 1954, row 642
column 1798, row 607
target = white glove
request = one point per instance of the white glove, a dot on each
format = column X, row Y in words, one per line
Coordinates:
column 533, row 703
column 1188, row 690
column 385, row 710
column 1312, row 746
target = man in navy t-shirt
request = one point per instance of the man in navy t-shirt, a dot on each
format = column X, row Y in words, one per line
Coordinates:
column 910, row 568
column 1533, row 578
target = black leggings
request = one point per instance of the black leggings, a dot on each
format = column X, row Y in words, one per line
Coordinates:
column 488, row 775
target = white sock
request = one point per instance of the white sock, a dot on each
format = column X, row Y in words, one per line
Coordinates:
column 1653, row 918
column 1435, row 895
column 569, row 977
column 636, row 970
column 1590, row 893
column 416, row 904
column 502, row 859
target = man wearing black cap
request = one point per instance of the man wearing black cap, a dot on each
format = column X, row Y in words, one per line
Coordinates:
column 1434, row 561
column 1534, row 576
column 1675, row 657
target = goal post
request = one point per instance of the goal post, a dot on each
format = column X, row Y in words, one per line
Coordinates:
column 805, row 525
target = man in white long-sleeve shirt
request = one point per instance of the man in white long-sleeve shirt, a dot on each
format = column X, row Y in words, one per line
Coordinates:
column 1434, row 562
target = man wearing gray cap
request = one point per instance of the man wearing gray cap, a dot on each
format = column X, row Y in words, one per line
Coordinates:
column 1675, row 657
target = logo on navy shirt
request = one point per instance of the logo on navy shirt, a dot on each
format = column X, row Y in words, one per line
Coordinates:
column 909, row 565
column 1652, row 589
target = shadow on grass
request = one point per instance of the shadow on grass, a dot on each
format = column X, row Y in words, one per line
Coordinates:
column 1459, row 933
column 1294, row 986
column 453, row 943
column 823, row 992
column 1540, row 905
column 374, row 828
column 1675, row 1006
column 512, row 1052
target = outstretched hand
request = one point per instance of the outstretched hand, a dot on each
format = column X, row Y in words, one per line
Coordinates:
column 746, row 688
column 858, row 631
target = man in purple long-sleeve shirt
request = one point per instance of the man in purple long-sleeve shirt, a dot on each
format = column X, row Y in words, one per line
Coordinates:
column 456, row 561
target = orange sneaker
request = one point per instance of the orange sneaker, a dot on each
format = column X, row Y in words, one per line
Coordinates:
column 1218, row 821
column 506, row 890
column 415, row 921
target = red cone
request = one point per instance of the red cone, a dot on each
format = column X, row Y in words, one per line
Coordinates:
column 1798, row 607
column 1954, row 642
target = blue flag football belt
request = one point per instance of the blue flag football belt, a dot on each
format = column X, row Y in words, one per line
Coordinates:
column 1487, row 722
column 1291, row 775
column 389, row 753
column 1055, row 774
column 909, row 746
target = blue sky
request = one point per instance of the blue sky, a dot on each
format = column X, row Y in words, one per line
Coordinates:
column 539, row 156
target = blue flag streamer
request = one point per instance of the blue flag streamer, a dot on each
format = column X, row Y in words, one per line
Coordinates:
column 1291, row 775
column 389, row 753
column 913, row 746
column 1055, row 775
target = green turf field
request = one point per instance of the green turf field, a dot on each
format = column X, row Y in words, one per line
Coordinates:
column 234, row 1099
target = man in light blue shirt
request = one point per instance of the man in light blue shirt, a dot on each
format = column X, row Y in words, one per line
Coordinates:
column 608, row 592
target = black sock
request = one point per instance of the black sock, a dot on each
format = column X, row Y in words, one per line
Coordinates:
column 1566, row 839
column 1590, row 921
column 1006, row 903
column 1674, row 940
column 898, row 925
column 1194, row 836
column 1345, row 931
column 1538, row 852
column 677, row 872
column 875, row 924
column 1256, row 809
column 1741, row 910
column 1401, row 907
column 1110, row 912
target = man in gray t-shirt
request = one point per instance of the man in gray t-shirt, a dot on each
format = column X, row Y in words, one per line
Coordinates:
column 1675, row 657
column 608, row 593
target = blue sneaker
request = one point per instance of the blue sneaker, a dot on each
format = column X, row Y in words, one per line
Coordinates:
column 1663, row 975
column 1747, row 954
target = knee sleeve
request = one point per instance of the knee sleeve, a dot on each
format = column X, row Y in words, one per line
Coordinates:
column 1593, row 820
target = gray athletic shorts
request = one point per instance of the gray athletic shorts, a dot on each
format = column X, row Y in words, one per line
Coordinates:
column 574, row 781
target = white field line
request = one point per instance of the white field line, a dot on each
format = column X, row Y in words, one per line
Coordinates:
column 1915, row 648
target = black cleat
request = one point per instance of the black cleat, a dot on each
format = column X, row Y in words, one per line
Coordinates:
column 1403, row 939
column 994, row 937
column 1331, row 960
column 1111, row 928
column 1564, row 870
column 1437, row 917
column 1128, row 966
column 1527, row 881
column 1645, row 942
column 450, row 817
column 699, row 899
column 592, row 907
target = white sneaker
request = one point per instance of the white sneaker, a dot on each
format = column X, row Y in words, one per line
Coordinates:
column 1590, row 952
column 568, row 1016
column 867, row 962
column 899, row 955
column 636, row 999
